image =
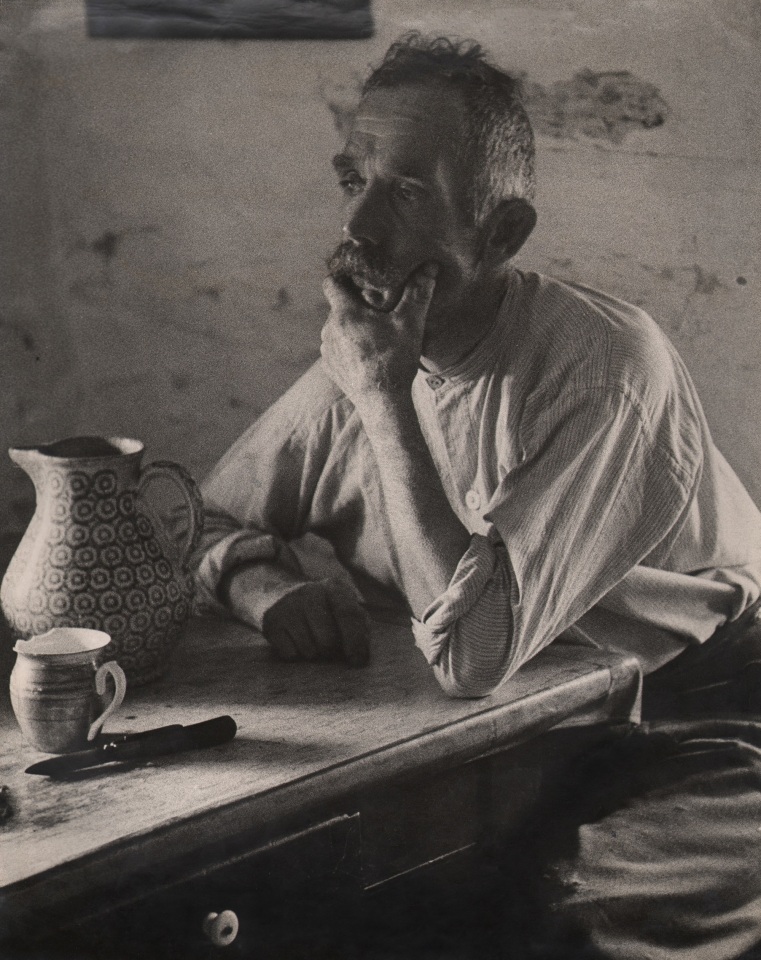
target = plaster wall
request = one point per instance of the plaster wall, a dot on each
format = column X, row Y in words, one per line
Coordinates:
column 166, row 208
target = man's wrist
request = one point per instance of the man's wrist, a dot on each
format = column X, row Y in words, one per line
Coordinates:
column 382, row 411
column 251, row 589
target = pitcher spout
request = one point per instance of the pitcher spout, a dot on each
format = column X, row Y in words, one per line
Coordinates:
column 26, row 457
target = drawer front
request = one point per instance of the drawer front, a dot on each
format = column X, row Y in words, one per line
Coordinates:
column 291, row 897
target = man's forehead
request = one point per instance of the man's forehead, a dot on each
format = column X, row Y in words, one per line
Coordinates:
column 409, row 113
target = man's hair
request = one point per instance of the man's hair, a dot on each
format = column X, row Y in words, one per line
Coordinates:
column 499, row 139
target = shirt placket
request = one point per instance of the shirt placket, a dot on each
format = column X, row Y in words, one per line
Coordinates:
column 449, row 431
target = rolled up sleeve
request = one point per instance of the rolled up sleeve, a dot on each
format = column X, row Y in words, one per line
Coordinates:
column 465, row 633
column 235, row 550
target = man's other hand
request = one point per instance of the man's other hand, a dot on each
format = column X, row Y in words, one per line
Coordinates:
column 368, row 351
column 318, row 620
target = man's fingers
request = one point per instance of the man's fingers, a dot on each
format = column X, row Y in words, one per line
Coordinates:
column 282, row 645
column 303, row 636
column 352, row 624
column 418, row 291
column 318, row 621
column 323, row 627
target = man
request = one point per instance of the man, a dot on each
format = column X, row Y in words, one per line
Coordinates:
column 520, row 459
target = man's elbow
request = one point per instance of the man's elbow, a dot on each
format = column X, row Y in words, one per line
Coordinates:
column 468, row 684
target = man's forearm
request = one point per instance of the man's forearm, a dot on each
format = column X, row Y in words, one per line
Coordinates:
column 427, row 538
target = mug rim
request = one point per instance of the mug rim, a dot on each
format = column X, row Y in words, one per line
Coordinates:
column 93, row 641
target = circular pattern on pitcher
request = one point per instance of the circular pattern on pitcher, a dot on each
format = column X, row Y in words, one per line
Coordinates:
column 54, row 578
column 136, row 600
column 60, row 604
column 115, row 624
column 124, row 578
column 135, row 553
column 37, row 602
column 76, row 580
column 140, row 622
column 153, row 550
column 156, row 595
column 82, row 511
column 57, row 534
column 84, row 604
column 145, row 574
column 162, row 618
column 56, row 481
column 104, row 483
column 61, row 556
column 78, row 483
column 85, row 557
column 127, row 531
column 112, row 555
column 144, row 527
column 76, row 536
column 110, row 602
column 60, row 512
column 101, row 579
column 106, row 510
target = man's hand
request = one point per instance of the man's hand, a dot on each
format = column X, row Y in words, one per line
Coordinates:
column 367, row 351
column 318, row 620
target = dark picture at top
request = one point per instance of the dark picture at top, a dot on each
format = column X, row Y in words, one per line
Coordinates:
column 230, row 19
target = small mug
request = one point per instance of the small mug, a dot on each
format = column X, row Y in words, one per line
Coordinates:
column 58, row 686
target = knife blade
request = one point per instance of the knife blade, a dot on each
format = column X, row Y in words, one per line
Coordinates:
column 141, row 746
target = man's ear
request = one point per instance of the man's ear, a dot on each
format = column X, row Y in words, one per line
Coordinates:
column 508, row 227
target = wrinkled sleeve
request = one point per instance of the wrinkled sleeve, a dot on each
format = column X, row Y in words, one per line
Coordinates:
column 258, row 496
column 598, row 489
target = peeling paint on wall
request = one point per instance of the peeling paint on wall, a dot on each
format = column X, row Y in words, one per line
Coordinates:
column 605, row 105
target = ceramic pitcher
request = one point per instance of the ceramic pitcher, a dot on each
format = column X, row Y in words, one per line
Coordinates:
column 96, row 556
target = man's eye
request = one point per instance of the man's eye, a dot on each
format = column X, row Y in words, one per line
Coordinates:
column 351, row 184
column 406, row 193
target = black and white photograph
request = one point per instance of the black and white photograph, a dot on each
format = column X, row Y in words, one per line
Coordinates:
column 380, row 463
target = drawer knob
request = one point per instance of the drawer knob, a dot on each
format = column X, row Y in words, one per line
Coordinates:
column 221, row 928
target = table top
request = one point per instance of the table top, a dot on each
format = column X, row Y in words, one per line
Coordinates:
column 307, row 732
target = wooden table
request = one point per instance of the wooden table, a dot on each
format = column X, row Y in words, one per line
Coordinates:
column 335, row 774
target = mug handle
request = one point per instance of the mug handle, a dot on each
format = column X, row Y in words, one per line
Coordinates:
column 187, row 487
column 120, row 684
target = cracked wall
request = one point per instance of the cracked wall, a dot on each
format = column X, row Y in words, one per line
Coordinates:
column 168, row 206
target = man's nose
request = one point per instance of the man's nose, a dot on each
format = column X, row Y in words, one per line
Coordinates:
column 367, row 217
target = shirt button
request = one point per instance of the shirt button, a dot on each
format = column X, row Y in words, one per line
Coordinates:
column 472, row 500
column 435, row 382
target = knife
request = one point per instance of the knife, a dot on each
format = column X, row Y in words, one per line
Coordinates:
column 141, row 746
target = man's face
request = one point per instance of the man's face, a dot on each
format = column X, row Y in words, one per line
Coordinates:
column 405, row 197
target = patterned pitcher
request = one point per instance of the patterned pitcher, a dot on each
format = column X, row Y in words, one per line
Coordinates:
column 96, row 556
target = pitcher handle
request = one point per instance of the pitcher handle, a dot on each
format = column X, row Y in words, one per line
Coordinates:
column 187, row 487
column 120, row 685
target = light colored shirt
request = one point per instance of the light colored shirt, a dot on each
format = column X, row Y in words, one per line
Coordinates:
column 570, row 443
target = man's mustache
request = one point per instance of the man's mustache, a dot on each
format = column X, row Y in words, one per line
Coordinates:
column 355, row 262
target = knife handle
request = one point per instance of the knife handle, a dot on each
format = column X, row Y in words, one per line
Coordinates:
column 210, row 733
column 207, row 733
column 107, row 739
